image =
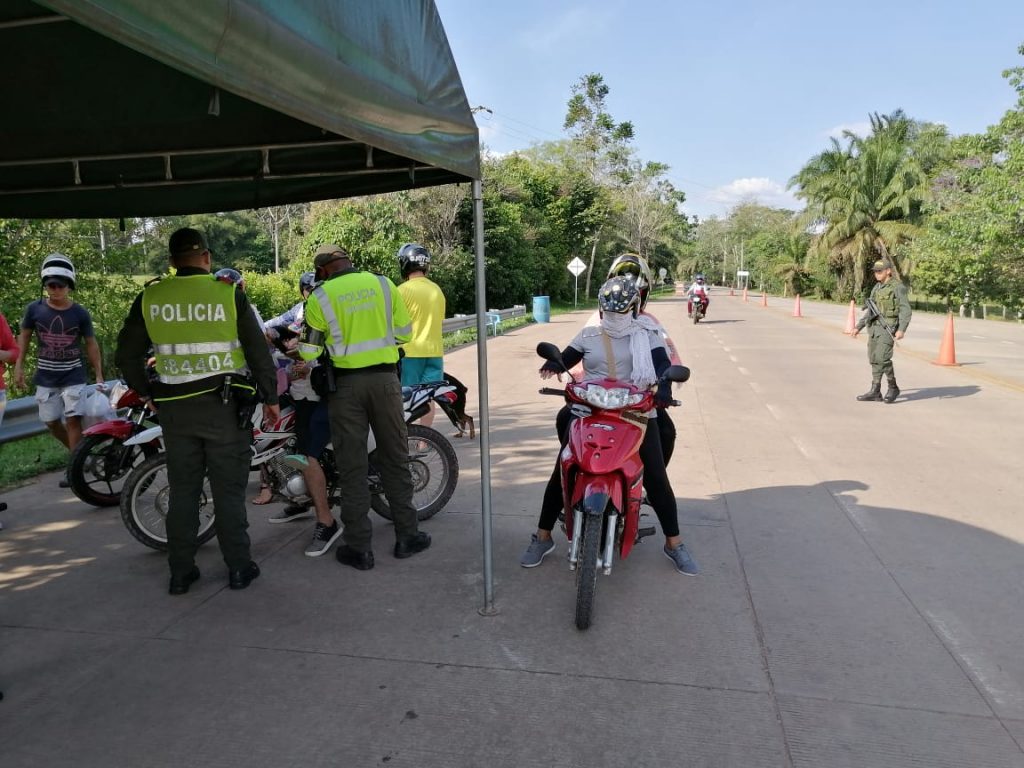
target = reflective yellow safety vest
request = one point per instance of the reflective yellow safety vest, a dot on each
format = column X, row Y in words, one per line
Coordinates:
column 362, row 318
column 193, row 324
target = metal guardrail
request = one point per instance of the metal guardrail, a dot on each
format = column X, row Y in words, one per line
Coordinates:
column 21, row 419
column 494, row 319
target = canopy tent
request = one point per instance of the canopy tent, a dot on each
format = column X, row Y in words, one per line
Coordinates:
column 117, row 108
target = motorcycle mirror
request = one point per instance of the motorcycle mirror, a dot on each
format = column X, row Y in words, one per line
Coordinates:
column 676, row 373
column 550, row 352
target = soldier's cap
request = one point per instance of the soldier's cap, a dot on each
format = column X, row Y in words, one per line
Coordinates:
column 186, row 241
column 881, row 264
column 329, row 252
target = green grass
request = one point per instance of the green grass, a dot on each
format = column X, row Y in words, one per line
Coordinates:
column 24, row 459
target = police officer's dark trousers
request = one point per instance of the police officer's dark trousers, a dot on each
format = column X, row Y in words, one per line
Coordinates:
column 203, row 440
column 364, row 399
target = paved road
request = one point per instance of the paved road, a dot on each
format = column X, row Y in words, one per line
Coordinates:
column 862, row 601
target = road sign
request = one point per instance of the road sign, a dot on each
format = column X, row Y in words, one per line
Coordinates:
column 662, row 272
column 742, row 273
column 577, row 267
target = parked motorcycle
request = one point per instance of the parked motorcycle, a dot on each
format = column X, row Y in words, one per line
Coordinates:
column 602, row 474
column 101, row 461
column 433, row 464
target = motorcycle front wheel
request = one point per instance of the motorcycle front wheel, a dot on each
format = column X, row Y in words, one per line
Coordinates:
column 435, row 472
column 586, row 568
column 99, row 466
column 146, row 499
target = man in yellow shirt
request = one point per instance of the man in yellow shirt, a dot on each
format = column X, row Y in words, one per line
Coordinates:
column 424, row 352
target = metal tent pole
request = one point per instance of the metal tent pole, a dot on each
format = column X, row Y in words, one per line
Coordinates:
column 488, row 608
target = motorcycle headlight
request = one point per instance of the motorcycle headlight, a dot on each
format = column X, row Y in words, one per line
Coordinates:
column 116, row 393
column 611, row 399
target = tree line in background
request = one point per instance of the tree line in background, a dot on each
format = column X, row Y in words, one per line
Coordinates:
column 945, row 210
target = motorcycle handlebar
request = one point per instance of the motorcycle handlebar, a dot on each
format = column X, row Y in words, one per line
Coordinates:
column 552, row 391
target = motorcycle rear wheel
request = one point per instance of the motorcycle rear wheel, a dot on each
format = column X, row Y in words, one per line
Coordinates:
column 99, row 466
column 434, row 467
column 145, row 501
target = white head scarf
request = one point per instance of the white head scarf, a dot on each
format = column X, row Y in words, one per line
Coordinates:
column 636, row 328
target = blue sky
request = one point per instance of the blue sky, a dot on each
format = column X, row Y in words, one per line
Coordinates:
column 737, row 95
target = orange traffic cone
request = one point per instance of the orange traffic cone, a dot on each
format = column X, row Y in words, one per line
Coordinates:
column 796, row 307
column 851, row 319
column 947, row 353
column 764, row 299
column 744, row 294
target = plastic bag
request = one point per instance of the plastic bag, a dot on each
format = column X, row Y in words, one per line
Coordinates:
column 96, row 407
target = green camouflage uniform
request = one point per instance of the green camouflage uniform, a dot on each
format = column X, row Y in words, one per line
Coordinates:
column 891, row 299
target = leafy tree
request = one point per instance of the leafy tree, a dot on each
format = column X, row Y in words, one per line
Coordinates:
column 868, row 192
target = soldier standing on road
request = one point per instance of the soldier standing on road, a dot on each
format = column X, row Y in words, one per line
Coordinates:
column 204, row 334
column 360, row 318
column 887, row 318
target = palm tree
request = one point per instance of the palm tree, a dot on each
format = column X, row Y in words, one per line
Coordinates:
column 868, row 193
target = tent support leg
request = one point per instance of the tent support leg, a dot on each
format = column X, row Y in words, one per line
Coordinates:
column 488, row 608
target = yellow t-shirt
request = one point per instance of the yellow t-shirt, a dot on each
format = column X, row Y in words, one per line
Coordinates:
column 426, row 305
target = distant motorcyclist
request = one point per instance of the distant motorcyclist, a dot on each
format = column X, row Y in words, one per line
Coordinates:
column 699, row 290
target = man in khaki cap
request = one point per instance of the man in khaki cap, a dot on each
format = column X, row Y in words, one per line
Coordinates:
column 887, row 319
column 359, row 318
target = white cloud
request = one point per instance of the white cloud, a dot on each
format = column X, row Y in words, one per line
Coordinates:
column 761, row 190
column 862, row 129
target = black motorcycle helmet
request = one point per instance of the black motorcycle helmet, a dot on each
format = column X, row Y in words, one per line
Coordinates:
column 633, row 265
column 619, row 295
column 307, row 281
column 413, row 257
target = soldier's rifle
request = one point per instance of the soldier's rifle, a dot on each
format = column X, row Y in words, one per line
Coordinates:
column 872, row 312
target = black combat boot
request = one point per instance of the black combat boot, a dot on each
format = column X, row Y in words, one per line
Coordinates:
column 873, row 394
column 893, row 391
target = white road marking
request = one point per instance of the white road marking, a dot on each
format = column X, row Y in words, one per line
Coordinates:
column 1011, row 343
column 733, row 358
column 774, row 411
column 744, row 371
column 755, row 386
column 973, row 336
column 726, row 349
column 987, row 671
column 801, row 447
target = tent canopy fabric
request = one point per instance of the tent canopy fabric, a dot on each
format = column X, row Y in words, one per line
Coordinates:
column 115, row 108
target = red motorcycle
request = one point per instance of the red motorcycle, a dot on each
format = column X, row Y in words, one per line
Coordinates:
column 697, row 307
column 102, row 460
column 602, row 474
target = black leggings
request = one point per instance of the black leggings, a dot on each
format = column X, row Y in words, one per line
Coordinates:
column 659, row 490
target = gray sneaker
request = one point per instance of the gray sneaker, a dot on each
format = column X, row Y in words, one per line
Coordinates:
column 292, row 512
column 536, row 552
column 323, row 537
column 685, row 564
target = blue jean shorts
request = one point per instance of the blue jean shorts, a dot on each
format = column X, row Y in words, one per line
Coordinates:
column 420, row 370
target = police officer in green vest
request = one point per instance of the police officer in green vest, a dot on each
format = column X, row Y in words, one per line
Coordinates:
column 886, row 318
column 359, row 318
column 211, row 358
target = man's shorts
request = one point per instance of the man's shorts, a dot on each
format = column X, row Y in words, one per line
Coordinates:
column 312, row 428
column 55, row 402
column 420, row 370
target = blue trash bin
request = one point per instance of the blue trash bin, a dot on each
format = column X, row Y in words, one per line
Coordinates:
column 542, row 309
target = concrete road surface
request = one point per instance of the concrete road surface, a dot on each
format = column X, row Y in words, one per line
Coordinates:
column 861, row 603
